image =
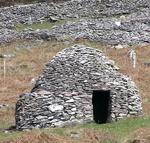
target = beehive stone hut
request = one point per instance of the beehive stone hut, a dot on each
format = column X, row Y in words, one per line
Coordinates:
column 79, row 85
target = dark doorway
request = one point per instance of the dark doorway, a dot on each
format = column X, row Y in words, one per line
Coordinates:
column 101, row 101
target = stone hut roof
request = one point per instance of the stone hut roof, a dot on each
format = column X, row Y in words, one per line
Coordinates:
column 79, row 68
column 63, row 94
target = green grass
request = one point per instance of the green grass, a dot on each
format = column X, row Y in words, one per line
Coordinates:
column 124, row 126
column 9, row 136
column 121, row 129
column 45, row 25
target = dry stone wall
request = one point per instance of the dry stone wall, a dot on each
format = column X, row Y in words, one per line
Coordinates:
column 113, row 22
column 62, row 94
column 101, row 30
column 72, row 9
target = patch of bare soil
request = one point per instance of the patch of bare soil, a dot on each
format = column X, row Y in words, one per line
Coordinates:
column 141, row 135
column 39, row 138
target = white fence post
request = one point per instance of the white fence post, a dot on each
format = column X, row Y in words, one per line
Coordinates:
column 4, row 71
column 133, row 57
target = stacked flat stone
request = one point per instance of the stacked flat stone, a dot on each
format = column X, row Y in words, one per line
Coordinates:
column 21, row 14
column 98, row 24
column 72, row 9
column 129, row 32
column 62, row 94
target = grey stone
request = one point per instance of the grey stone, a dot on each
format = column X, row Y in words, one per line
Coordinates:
column 75, row 135
column 129, row 27
column 70, row 101
column 50, row 117
column 7, row 56
column 57, row 105
column 59, row 124
column 54, row 120
column 73, row 109
column 41, row 117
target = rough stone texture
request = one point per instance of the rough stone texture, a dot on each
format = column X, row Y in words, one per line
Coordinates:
column 101, row 30
column 62, row 94
column 20, row 14
column 7, row 35
column 133, row 16
column 72, row 9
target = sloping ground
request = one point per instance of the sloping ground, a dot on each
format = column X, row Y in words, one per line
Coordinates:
column 80, row 136
column 18, row 80
column 133, row 27
column 119, row 132
column 26, row 65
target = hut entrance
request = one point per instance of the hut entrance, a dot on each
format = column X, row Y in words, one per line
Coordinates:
column 101, row 102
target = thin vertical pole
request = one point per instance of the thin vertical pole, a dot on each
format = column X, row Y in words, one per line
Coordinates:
column 4, row 72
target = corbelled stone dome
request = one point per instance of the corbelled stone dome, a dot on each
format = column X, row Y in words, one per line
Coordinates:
column 78, row 68
column 80, row 84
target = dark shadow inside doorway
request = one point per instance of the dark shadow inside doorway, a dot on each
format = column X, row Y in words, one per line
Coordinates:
column 101, row 101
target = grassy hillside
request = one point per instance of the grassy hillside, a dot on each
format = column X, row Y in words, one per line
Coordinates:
column 28, row 63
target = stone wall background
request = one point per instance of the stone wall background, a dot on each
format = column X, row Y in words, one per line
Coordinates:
column 124, row 22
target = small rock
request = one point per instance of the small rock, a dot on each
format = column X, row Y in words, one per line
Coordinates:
column 73, row 109
column 6, row 132
column 140, row 141
column 59, row 124
column 70, row 101
column 119, row 47
column 118, row 23
column 75, row 135
column 7, row 56
column 52, row 19
column 55, row 107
